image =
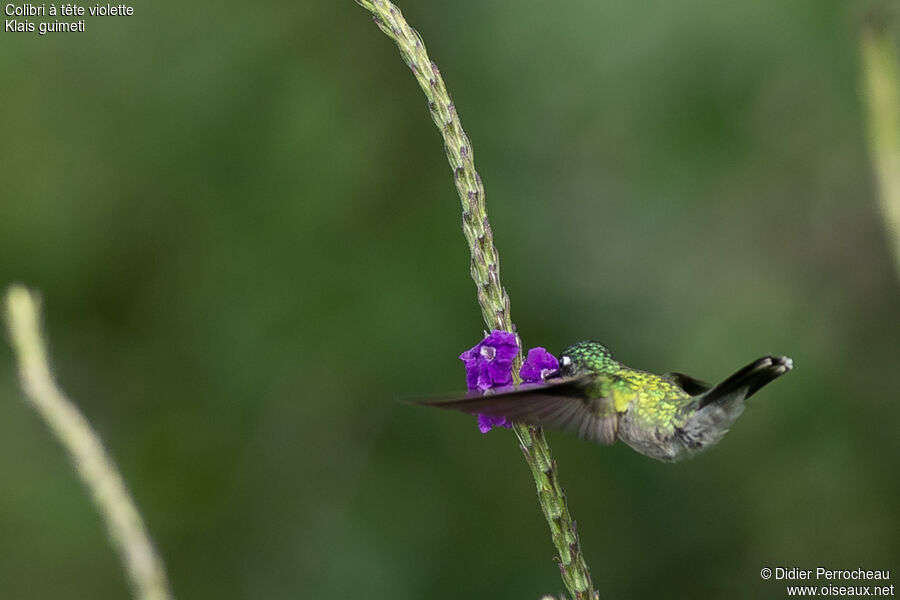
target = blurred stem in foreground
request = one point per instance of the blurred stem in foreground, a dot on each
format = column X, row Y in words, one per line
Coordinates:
column 485, row 269
column 123, row 522
column 881, row 71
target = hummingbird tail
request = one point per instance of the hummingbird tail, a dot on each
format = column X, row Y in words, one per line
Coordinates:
column 749, row 380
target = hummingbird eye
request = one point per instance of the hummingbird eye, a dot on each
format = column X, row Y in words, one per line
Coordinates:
column 565, row 364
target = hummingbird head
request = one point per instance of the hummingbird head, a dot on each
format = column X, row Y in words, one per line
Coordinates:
column 586, row 357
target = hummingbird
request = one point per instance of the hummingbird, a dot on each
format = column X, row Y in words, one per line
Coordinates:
column 667, row 417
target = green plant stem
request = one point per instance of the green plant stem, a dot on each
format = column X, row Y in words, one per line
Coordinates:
column 96, row 469
column 881, row 72
column 485, row 269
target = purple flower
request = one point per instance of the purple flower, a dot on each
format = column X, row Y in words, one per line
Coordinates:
column 486, row 422
column 489, row 363
column 538, row 365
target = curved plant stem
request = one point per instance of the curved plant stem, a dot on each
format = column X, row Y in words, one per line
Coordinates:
column 881, row 71
column 123, row 522
column 485, row 268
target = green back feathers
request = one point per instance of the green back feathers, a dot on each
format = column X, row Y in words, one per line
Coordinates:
column 654, row 397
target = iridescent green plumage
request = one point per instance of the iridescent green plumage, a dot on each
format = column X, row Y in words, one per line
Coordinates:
column 667, row 417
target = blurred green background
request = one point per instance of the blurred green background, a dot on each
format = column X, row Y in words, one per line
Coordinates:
column 247, row 239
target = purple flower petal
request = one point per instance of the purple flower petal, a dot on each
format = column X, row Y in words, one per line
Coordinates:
column 487, row 422
column 538, row 365
column 489, row 362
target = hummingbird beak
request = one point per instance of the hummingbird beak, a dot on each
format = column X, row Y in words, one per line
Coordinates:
column 565, row 365
column 557, row 374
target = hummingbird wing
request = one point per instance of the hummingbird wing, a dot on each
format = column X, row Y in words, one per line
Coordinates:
column 563, row 404
column 748, row 380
